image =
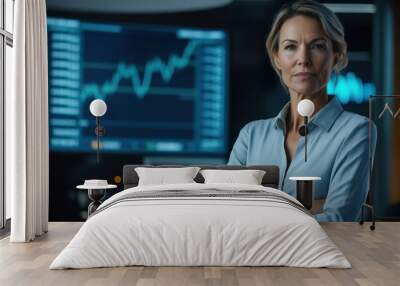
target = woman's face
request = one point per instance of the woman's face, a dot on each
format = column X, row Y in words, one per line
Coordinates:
column 305, row 55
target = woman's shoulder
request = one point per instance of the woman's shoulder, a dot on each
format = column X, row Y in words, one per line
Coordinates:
column 259, row 124
column 351, row 124
column 353, row 119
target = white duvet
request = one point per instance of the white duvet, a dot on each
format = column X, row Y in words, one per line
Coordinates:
column 200, row 231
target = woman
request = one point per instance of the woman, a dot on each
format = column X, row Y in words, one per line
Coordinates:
column 305, row 45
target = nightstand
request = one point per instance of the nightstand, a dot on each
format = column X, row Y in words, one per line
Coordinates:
column 96, row 192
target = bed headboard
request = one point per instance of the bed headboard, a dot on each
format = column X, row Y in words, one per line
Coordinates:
column 270, row 179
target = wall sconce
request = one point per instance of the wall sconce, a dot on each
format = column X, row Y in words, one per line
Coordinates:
column 98, row 108
column 306, row 109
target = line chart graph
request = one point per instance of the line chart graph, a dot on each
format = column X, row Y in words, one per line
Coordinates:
column 165, row 87
column 140, row 87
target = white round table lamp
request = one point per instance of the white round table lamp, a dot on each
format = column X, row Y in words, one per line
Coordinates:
column 98, row 108
column 305, row 107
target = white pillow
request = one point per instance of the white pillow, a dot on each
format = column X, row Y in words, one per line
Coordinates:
column 249, row 177
column 163, row 176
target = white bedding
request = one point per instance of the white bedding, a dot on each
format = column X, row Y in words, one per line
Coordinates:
column 200, row 231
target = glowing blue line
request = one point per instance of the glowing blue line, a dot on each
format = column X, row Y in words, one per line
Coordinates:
column 64, row 142
column 214, row 51
column 65, row 111
column 140, row 88
column 64, row 74
column 101, row 27
column 65, row 37
column 64, row 92
column 66, row 132
column 64, row 64
column 66, row 47
column 350, row 88
column 65, row 83
column 63, row 23
column 213, row 69
column 67, row 102
column 65, row 55
column 63, row 122
column 203, row 35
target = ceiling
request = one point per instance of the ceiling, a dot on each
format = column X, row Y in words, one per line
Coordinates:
column 134, row 6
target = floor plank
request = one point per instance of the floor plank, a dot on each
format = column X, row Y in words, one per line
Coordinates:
column 374, row 255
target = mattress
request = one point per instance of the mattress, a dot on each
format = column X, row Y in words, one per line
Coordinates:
column 201, row 225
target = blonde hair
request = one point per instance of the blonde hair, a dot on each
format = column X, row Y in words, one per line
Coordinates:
column 331, row 25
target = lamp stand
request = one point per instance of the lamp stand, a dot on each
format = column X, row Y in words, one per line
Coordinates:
column 305, row 137
column 100, row 131
column 98, row 138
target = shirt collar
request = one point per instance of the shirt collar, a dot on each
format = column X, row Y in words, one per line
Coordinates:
column 280, row 119
column 325, row 117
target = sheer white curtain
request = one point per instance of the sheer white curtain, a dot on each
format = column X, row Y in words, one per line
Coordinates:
column 27, row 168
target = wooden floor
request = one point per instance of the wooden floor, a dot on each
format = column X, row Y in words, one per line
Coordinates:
column 374, row 255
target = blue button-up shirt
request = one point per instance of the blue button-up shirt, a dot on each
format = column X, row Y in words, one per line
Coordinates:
column 337, row 151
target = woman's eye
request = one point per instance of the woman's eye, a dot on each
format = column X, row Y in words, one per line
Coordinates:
column 290, row 47
column 321, row 47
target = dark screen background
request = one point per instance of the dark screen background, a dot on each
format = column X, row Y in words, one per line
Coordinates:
column 254, row 90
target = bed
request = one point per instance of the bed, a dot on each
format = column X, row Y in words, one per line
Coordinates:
column 201, row 224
